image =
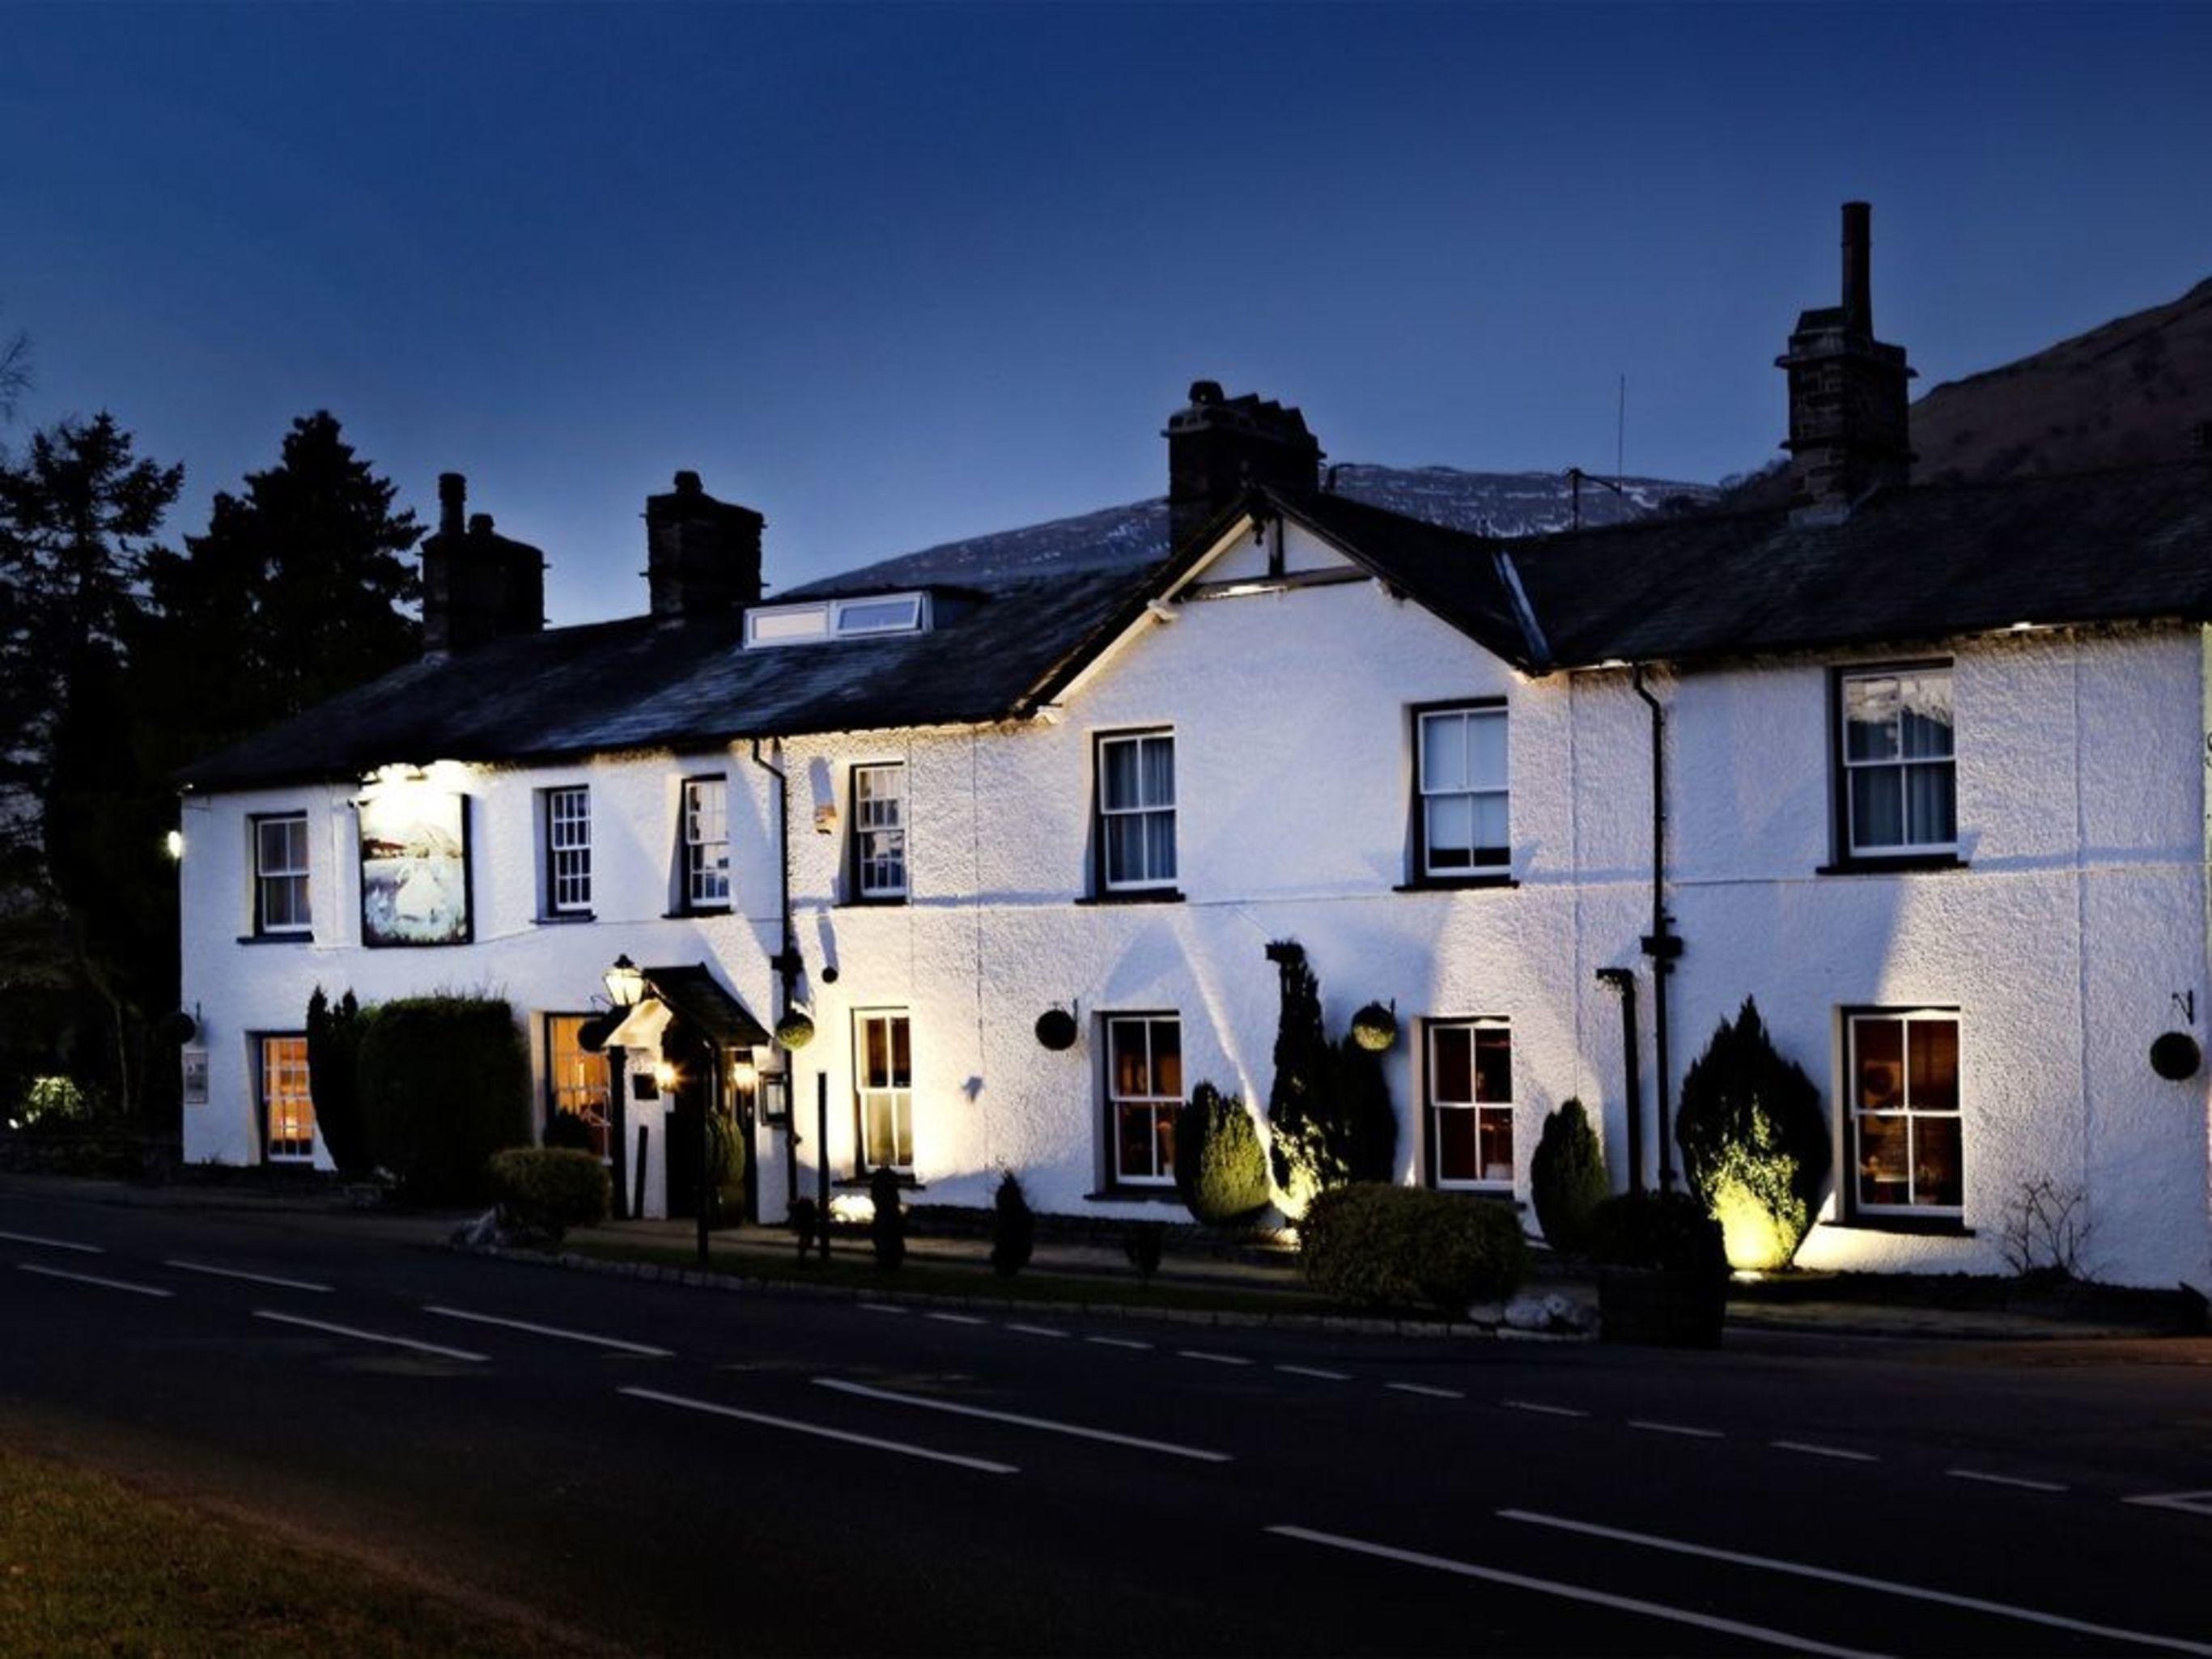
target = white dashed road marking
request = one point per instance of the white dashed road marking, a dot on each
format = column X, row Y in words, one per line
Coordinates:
column 1424, row 1388
column 1812, row 1450
column 821, row 1431
column 1021, row 1421
column 1541, row 1409
column 1120, row 1342
column 882, row 1307
column 1212, row 1358
column 2007, row 1480
column 1856, row 1581
column 53, row 1243
column 1315, row 1372
column 1682, row 1428
column 2189, row 1503
column 1573, row 1593
column 957, row 1319
column 1036, row 1330
column 553, row 1331
column 251, row 1279
column 358, row 1335
column 92, row 1279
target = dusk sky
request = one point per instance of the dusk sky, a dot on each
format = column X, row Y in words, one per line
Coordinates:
column 898, row 275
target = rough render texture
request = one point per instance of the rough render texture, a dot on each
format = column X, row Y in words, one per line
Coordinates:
column 2064, row 943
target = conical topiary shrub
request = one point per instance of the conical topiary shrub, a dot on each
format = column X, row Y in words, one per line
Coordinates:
column 1755, row 1142
column 1567, row 1179
column 1220, row 1168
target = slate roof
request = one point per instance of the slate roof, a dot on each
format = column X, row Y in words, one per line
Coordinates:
column 1914, row 565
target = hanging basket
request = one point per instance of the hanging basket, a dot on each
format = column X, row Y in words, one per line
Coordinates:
column 1055, row 1029
column 177, row 1027
column 796, row 1029
column 1375, row 1028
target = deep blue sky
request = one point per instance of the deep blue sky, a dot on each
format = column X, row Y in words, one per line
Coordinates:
column 895, row 276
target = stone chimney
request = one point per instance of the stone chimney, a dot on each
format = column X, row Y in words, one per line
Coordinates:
column 477, row 585
column 1849, row 432
column 1216, row 446
column 702, row 556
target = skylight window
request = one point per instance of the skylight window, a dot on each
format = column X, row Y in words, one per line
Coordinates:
column 837, row 619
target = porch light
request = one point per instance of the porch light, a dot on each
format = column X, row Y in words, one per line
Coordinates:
column 625, row 983
column 174, row 845
column 665, row 1075
column 744, row 1074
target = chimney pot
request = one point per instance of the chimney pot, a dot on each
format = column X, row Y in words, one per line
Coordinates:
column 476, row 586
column 687, row 484
column 1858, row 267
column 453, row 502
column 480, row 524
column 702, row 556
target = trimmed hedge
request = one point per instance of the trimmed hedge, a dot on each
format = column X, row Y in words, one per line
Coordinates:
column 551, row 1189
column 1669, row 1230
column 1567, row 1179
column 444, row 1084
column 1376, row 1246
column 1220, row 1167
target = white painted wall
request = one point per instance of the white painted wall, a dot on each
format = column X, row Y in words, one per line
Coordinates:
column 2082, row 915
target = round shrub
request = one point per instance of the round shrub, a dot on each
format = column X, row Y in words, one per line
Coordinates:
column 1567, row 1179
column 887, row 1228
column 1376, row 1246
column 1755, row 1142
column 550, row 1189
column 444, row 1083
column 1220, row 1167
column 1667, row 1230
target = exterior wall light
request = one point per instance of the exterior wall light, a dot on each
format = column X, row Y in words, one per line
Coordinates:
column 625, row 983
column 666, row 1076
column 174, row 845
column 744, row 1074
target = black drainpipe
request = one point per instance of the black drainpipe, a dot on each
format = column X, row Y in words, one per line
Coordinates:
column 1623, row 980
column 786, row 962
column 1661, row 944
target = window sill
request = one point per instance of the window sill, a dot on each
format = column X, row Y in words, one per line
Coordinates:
column 275, row 938
column 1456, row 883
column 562, row 919
column 1940, row 1226
column 1135, row 1195
column 1136, row 895
column 886, row 901
column 1905, row 863
column 860, row 1183
column 698, row 911
column 1483, row 1195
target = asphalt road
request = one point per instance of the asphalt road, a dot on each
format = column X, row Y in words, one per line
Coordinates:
column 689, row 1471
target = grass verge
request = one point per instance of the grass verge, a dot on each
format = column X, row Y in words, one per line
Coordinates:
column 89, row 1565
column 975, row 1284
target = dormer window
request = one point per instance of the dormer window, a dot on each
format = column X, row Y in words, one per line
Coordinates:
column 836, row 619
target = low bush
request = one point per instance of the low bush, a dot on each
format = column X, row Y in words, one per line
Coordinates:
column 1376, row 1246
column 51, row 1102
column 1567, row 1179
column 887, row 1227
column 445, row 1083
column 1013, row 1227
column 1143, row 1244
column 725, row 1186
column 1220, row 1167
column 1670, row 1230
column 550, row 1189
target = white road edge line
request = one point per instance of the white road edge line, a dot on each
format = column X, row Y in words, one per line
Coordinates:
column 821, row 1431
column 1425, row 1388
column 372, row 1336
column 1316, row 1371
column 240, row 1273
column 1682, row 1428
column 92, row 1279
column 554, row 1331
column 1130, row 1342
column 1856, row 1581
column 2019, row 1481
column 1812, row 1450
column 53, row 1243
column 1574, row 1592
column 1539, row 1407
column 1036, row 1330
column 882, row 1307
column 1212, row 1358
column 958, row 1319
column 1018, row 1420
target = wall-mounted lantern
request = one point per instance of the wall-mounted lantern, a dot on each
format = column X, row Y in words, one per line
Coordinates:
column 1056, row 1029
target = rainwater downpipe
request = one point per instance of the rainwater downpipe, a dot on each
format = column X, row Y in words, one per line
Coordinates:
column 1623, row 980
column 786, row 962
column 1661, row 944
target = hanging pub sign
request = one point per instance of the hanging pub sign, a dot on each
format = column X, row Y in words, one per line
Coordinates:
column 415, row 866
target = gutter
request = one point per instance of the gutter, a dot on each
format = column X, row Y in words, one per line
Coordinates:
column 1661, row 944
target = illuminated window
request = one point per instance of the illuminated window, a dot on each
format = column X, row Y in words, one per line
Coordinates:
column 879, row 830
column 1907, row 1151
column 1898, row 788
column 1137, row 811
column 1462, row 822
column 280, row 874
column 577, row 1080
column 1470, row 1103
column 884, row 1075
column 288, row 1111
column 568, row 850
column 706, row 844
column 1144, row 1089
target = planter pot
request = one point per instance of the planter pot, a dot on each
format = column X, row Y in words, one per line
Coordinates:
column 1659, row 1307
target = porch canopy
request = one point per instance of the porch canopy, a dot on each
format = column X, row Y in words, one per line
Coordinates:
column 690, row 997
